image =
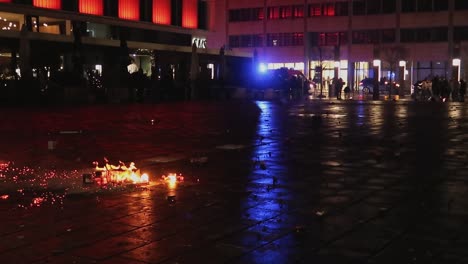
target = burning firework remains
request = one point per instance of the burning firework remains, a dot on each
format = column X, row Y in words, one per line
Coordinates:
column 34, row 187
column 116, row 174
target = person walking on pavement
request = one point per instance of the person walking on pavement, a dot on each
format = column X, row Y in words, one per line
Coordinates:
column 339, row 88
column 462, row 90
column 455, row 89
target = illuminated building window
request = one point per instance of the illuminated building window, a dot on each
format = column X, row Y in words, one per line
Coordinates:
column 273, row 13
column 329, row 38
column 298, row 11
column 259, row 13
column 92, row 7
column 329, row 10
column 285, row 12
column 129, row 9
column 12, row 23
column 190, row 13
column 51, row 4
column 162, row 12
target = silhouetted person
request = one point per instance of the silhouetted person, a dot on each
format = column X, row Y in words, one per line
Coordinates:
column 376, row 90
column 462, row 90
column 339, row 88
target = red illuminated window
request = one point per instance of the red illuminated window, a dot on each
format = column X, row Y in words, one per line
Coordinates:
column 92, row 7
column 315, row 10
column 298, row 11
column 273, row 13
column 5, row 1
column 190, row 13
column 259, row 14
column 52, row 4
column 329, row 10
column 162, row 12
column 129, row 9
column 285, row 12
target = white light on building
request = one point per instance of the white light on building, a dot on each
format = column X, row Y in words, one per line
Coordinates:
column 211, row 67
column 98, row 68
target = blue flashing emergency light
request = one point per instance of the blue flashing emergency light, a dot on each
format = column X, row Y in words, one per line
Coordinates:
column 262, row 68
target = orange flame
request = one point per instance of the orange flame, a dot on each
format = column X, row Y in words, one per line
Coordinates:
column 120, row 173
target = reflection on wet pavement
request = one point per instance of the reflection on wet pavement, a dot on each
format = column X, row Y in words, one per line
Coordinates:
column 318, row 182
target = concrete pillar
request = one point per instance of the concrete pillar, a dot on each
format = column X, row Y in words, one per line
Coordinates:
column 401, row 80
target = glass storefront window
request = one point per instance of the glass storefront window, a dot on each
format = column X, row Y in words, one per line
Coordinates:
column 56, row 27
column 94, row 30
column 48, row 25
column 361, row 71
column 10, row 21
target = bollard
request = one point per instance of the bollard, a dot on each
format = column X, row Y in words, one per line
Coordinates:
column 52, row 142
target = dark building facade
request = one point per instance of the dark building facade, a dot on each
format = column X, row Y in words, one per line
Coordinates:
column 88, row 50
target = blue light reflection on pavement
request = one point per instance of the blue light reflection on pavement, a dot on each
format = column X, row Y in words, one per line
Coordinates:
column 271, row 194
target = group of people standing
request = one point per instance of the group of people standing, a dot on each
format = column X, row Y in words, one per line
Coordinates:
column 440, row 89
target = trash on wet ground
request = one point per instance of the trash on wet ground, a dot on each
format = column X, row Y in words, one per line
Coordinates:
column 166, row 158
column 320, row 213
column 332, row 163
column 199, row 160
column 231, row 147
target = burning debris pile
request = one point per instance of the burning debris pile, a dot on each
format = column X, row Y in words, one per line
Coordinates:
column 28, row 187
column 115, row 174
column 172, row 178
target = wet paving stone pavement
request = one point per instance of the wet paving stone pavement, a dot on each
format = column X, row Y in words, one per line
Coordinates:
column 317, row 182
